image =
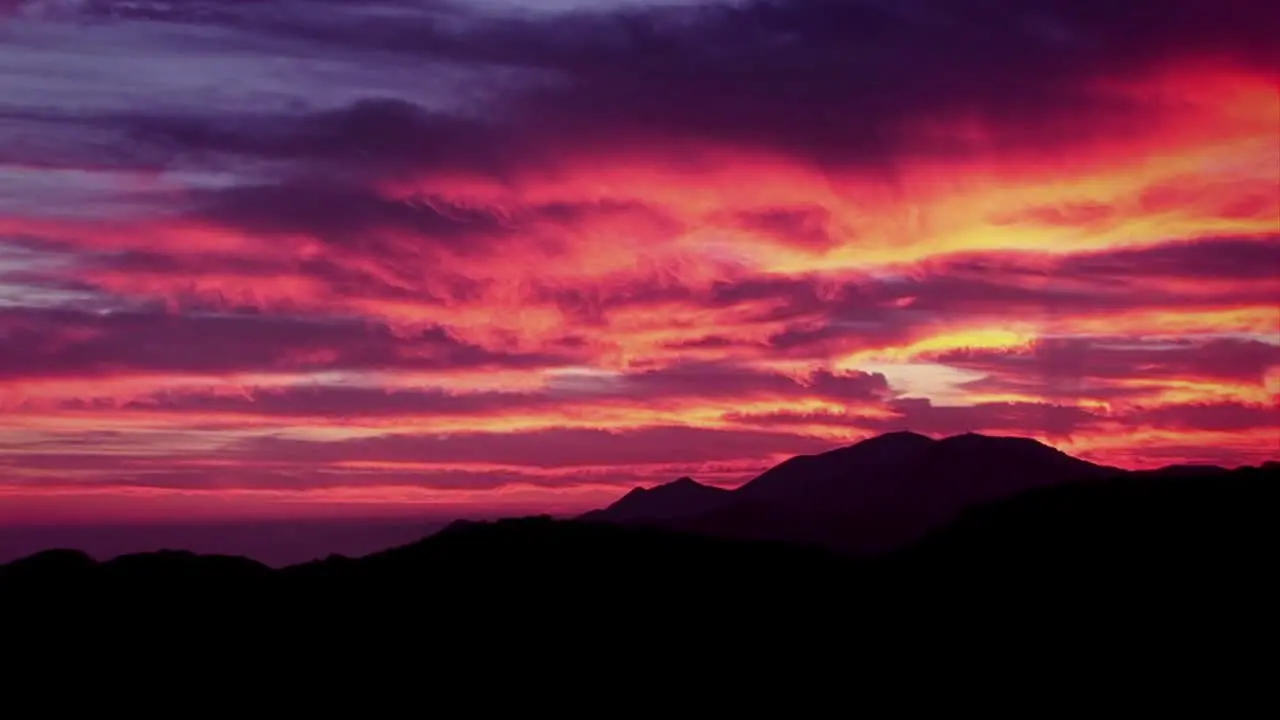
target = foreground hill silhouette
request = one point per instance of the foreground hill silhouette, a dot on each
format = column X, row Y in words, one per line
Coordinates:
column 1149, row 537
column 1129, row 586
column 1156, row 574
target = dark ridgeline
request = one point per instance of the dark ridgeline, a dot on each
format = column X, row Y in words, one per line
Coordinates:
column 867, row 498
column 986, row 542
column 680, row 499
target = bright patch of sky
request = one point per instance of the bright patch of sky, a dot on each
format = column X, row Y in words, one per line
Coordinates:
column 582, row 380
column 19, row 295
column 940, row 383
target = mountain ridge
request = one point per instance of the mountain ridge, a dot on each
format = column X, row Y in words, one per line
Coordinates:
column 1169, row 571
column 1238, row 507
column 867, row 497
column 678, row 498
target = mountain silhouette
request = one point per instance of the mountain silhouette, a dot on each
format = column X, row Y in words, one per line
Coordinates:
column 868, row 497
column 1168, row 563
column 1180, row 550
column 681, row 498
column 1131, row 522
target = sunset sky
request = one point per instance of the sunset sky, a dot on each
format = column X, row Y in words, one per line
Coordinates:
column 303, row 258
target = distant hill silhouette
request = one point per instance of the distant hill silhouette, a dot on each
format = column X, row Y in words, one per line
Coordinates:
column 682, row 498
column 865, row 498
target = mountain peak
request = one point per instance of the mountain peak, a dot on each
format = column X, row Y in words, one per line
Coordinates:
column 974, row 456
column 899, row 437
column 972, row 439
column 683, row 486
column 891, row 445
column 904, row 434
column 678, row 498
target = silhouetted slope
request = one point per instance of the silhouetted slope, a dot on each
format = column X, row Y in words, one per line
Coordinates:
column 1140, row 570
column 808, row 480
column 50, row 566
column 678, row 499
column 1134, row 524
column 1183, row 471
column 507, row 573
column 877, row 494
column 1208, row 518
column 548, row 561
column 51, row 561
column 1134, row 572
column 165, row 570
column 179, row 567
column 1133, row 576
column 904, row 469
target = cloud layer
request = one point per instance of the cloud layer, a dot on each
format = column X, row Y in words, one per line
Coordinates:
column 297, row 256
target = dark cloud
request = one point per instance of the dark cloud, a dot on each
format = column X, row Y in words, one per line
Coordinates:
column 721, row 380
column 51, row 343
column 377, row 227
column 1073, row 360
column 836, row 82
column 1215, row 417
column 350, row 216
column 710, row 342
column 1045, row 419
column 921, row 415
column 1224, row 259
column 112, row 472
column 551, row 448
column 1057, row 389
column 685, row 382
column 328, row 402
column 841, row 82
column 804, row 225
column 191, row 472
column 377, row 276
column 384, row 137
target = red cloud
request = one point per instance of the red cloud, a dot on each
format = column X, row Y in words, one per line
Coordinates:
column 645, row 241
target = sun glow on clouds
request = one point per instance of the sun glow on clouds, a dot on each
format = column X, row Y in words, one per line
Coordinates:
column 573, row 262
